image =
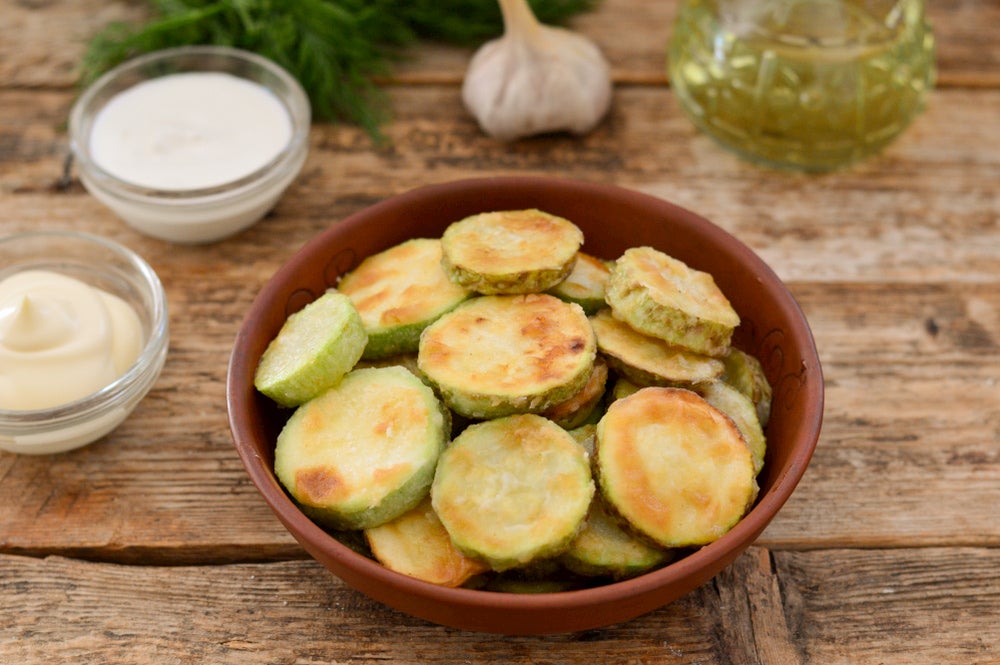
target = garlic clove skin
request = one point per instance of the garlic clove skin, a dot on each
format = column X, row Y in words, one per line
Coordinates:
column 537, row 79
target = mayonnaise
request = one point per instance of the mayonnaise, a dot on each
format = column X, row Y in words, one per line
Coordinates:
column 189, row 131
column 61, row 339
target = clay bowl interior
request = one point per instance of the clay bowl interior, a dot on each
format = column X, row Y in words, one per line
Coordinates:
column 613, row 219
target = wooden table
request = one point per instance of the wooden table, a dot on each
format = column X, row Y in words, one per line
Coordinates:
column 151, row 546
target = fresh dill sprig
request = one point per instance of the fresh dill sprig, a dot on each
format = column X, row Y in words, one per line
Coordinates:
column 335, row 48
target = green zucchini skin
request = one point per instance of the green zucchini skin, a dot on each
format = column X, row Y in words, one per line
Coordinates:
column 513, row 490
column 648, row 360
column 673, row 467
column 399, row 292
column 663, row 297
column 585, row 284
column 494, row 356
column 416, row 544
column 581, row 407
column 746, row 373
column 365, row 451
column 314, row 349
column 510, row 251
column 742, row 411
column 605, row 548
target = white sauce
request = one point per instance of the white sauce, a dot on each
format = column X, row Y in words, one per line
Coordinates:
column 189, row 131
column 61, row 339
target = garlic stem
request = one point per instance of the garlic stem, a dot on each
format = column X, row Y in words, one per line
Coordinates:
column 518, row 18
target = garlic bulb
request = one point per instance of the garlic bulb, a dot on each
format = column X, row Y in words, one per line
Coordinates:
column 536, row 79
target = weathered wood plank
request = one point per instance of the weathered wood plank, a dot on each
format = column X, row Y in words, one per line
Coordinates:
column 927, row 473
column 41, row 42
column 932, row 192
column 847, row 607
column 837, row 607
column 911, row 419
column 633, row 35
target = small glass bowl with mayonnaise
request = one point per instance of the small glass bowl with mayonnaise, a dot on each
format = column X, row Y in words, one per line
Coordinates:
column 191, row 144
column 83, row 337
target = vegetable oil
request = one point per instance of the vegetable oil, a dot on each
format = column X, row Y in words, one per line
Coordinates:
column 805, row 84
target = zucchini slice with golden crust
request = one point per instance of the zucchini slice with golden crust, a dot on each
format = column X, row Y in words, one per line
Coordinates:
column 623, row 388
column 576, row 410
column 661, row 296
column 605, row 548
column 746, row 373
column 399, row 292
column 314, row 349
column 513, row 490
column 416, row 544
column 586, row 436
column 649, row 361
column 364, row 452
column 742, row 412
column 674, row 467
column 499, row 355
column 585, row 283
column 510, row 251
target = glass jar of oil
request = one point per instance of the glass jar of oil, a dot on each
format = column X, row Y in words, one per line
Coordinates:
column 805, row 84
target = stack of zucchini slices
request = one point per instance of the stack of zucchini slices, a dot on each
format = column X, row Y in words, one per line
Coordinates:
column 496, row 407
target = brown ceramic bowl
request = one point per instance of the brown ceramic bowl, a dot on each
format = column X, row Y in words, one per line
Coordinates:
column 773, row 328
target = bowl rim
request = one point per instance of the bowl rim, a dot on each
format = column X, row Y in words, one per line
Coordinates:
column 701, row 564
column 294, row 99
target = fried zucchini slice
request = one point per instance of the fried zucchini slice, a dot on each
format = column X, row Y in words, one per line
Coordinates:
column 674, row 467
column 649, row 361
column 586, row 436
column 364, row 452
column 585, row 283
column 742, row 412
column 624, row 387
column 745, row 373
column 576, row 410
column 312, row 351
column 499, row 355
column 513, row 490
column 604, row 548
column 416, row 544
column 510, row 251
column 399, row 292
column 661, row 296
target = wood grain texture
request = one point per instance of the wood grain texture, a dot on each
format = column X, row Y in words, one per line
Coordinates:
column 633, row 36
column 151, row 546
column 837, row 607
column 932, row 192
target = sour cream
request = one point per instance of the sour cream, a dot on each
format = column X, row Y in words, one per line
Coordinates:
column 61, row 339
column 190, row 130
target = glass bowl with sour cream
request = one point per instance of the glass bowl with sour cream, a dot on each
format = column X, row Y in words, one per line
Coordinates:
column 191, row 144
column 83, row 337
